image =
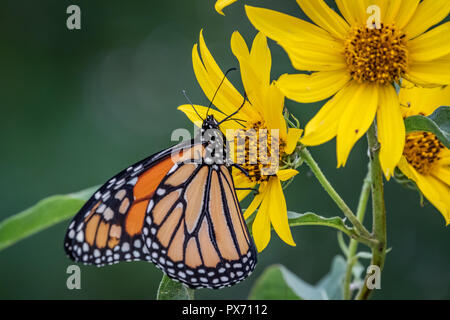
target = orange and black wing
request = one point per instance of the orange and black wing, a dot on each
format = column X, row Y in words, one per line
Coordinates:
column 109, row 227
column 196, row 230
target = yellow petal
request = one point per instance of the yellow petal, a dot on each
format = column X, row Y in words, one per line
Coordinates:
column 428, row 14
column 242, row 194
column 323, row 127
column 353, row 11
column 416, row 100
column 390, row 10
column 315, row 87
column 431, row 45
column 286, row 174
column 406, row 12
column 325, row 17
column 285, row 28
column 430, row 73
column 239, row 47
column 311, row 56
column 261, row 225
column 275, row 204
column 356, row 119
column 391, row 130
column 442, row 173
column 434, row 190
column 220, row 4
column 273, row 111
column 210, row 77
column 293, row 138
column 260, row 58
column 443, row 190
column 252, row 83
column 202, row 111
column 445, row 157
column 256, row 201
column 308, row 46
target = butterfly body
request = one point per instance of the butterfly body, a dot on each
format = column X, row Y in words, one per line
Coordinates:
column 178, row 209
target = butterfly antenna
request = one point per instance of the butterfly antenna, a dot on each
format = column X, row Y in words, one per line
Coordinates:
column 234, row 113
column 190, row 102
column 215, row 93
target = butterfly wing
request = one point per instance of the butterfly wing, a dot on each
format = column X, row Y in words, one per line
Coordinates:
column 108, row 228
column 197, row 233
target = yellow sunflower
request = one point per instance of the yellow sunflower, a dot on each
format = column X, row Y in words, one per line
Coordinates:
column 356, row 60
column 263, row 110
column 425, row 159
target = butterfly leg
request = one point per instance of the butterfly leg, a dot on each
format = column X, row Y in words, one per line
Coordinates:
column 252, row 189
column 241, row 169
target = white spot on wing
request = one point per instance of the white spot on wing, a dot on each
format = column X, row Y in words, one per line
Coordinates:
column 106, row 196
column 125, row 247
column 108, row 215
column 101, row 208
column 150, row 207
column 80, row 236
column 133, row 181
column 174, row 167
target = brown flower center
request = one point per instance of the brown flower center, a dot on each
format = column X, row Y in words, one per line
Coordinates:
column 376, row 55
column 258, row 151
column 422, row 151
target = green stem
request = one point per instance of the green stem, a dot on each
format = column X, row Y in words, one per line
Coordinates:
column 378, row 208
column 352, row 259
column 306, row 155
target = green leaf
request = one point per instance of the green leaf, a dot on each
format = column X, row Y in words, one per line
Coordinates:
column 172, row 290
column 331, row 284
column 312, row 219
column 42, row 215
column 358, row 275
column 278, row 283
column 309, row 219
column 437, row 123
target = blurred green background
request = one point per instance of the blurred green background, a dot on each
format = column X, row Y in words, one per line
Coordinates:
column 79, row 106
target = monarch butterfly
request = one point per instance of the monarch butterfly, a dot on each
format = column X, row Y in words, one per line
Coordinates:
column 178, row 209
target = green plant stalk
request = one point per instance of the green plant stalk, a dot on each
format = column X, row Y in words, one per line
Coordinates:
column 353, row 246
column 378, row 209
column 306, row 155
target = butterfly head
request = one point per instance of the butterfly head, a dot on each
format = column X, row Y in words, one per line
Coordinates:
column 210, row 123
